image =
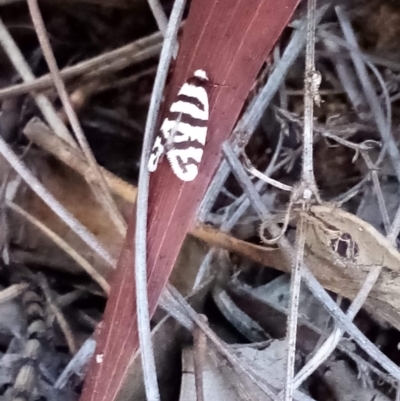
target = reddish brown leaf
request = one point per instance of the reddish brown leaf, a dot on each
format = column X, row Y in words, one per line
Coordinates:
column 230, row 40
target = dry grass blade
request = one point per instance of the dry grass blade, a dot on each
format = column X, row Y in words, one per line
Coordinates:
column 104, row 193
column 89, row 269
column 307, row 189
column 45, row 106
column 105, row 64
column 143, row 316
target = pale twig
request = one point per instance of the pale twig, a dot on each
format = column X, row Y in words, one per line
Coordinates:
column 148, row 364
column 252, row 170
column 38, row 132
column 159, row 15
column 306, row 190
column 330, row 344
column 12, row 292
column 53, row 203
column 292, row 321
column 162, row 21
column 266, row 222
column 283, row 92
column 45, row 106
column 63, row 245
column 199, row 354
column 358, row 147
column 311, row 87
column 104, row 193
column 5, row 240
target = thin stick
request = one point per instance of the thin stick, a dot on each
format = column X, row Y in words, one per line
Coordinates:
column 310, row 88
column 105, row 195
column 94, row 68
column 45, row 106
column 199, row 354
column 53, row 203
column 307, row 189
column 252, row 170
column 12, row 292
column 295, row 283
column 159, row 15
column 63, row 245
column 148, row 364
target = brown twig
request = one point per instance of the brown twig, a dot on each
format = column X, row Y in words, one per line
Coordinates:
column 96, row 67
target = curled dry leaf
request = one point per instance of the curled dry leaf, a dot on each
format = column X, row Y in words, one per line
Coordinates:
column 347, row 240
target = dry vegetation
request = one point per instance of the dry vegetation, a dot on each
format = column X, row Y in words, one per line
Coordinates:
column 55, row 272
